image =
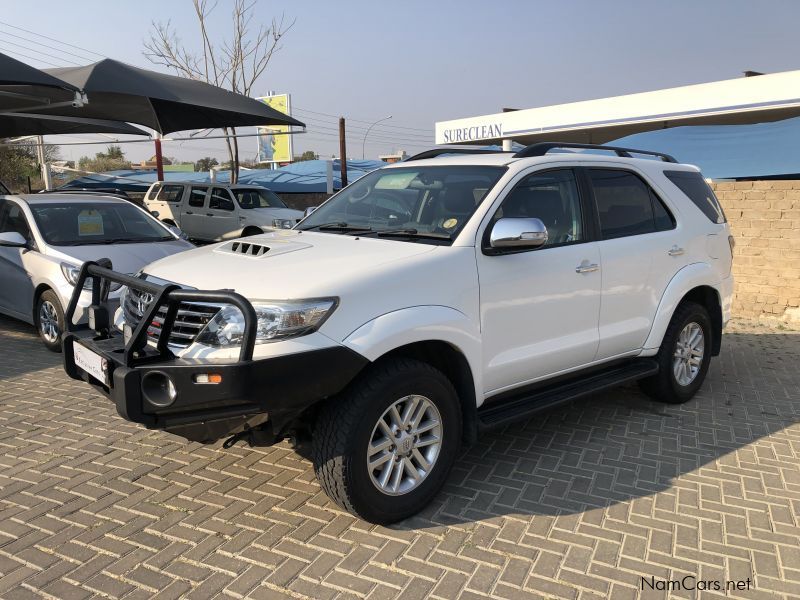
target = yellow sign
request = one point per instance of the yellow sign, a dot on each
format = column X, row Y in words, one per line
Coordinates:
column 90, row 222
column 275, row 148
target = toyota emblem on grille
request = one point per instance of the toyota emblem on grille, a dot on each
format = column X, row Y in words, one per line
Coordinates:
column 143, row 301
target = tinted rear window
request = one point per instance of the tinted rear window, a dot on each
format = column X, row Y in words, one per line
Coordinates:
column 695, row 187
column 170, row 193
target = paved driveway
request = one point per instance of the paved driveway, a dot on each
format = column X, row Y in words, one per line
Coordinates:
column 582, row 502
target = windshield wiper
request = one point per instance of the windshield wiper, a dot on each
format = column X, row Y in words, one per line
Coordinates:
column 337, row 226
column 411, row 233
column 125, row 241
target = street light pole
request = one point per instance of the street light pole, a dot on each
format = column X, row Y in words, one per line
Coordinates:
column 364, row 143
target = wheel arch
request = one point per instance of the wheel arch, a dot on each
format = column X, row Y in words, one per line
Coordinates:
column 37, row 293
column 454, row 365
column 692, row 283
column 251, row 230
column 443, row 337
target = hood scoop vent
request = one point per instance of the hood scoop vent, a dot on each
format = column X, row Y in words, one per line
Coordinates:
column 247, row 248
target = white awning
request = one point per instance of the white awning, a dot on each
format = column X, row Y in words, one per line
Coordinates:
column 739, row 101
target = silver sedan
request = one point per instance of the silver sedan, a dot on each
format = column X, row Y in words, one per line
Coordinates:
column 45, row 238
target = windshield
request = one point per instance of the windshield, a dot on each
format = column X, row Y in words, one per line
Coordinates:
column 409, row 203
column 85, row 223
column 3, row 189
column 250, row 198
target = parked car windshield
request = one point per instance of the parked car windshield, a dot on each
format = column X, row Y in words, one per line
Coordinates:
column 86, row 223
column 250, row 198
column 407, row 203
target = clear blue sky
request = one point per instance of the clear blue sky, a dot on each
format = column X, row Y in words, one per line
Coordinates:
column 424, row 61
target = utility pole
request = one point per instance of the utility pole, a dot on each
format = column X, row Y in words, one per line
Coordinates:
column 342, row 152
column 47, row 180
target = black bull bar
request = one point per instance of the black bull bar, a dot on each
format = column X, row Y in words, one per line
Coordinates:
column 261, row 398
column 169, row 295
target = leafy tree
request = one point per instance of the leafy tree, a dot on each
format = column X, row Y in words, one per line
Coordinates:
column 307, row 155
column 205, row 164
column 18, row 162
column 110, row 160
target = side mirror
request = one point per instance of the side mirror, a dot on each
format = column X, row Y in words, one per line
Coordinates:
column 309, row 210
column 155, row 213
column 518, row 233
column 12, row 239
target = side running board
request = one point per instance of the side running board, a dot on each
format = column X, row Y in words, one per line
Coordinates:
column 495, row 414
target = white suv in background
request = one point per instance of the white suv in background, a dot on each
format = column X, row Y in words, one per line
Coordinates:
column 428, row 301
column 218, row 211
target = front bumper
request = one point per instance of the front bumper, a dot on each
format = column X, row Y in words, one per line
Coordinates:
column 249, row 392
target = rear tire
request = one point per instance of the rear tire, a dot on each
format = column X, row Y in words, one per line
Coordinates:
column 401, row 416
column 49, row 320
column 684, row 356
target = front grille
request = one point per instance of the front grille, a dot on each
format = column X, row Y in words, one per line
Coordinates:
column 189, row 321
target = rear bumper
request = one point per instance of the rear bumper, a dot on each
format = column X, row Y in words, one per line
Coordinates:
column 277, row 389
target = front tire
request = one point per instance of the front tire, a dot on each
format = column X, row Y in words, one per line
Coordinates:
column 50, row 320
column 684, row 356
column 383, row 448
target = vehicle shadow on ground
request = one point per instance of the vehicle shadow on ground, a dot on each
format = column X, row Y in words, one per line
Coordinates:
column 21, row 350
column 617, row 446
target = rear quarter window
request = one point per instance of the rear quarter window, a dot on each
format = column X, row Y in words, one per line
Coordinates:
column 692, row 184
column 170, row 193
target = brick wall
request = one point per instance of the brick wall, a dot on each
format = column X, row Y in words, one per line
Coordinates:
column 765, row 220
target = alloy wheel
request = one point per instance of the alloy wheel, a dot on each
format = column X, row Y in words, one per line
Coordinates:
column 48, row 322
column 404, row 445
column 688, row 356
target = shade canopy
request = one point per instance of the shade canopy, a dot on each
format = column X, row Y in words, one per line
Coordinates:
column 14, row 72
column 19, row 124
column 165, row 103
column 740, row 101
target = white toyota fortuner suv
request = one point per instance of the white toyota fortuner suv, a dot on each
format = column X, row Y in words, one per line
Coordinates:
column 426, row 302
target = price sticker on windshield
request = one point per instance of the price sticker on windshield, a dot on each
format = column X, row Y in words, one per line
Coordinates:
column 90, row 222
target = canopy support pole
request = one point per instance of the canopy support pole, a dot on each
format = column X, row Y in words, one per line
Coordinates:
column 159, row 157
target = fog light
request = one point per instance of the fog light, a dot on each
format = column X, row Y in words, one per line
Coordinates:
column 158, row 389
column 208, row 378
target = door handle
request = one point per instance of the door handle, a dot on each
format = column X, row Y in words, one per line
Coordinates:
column 188, row 212
column 675, row 251
column 587, row 268
column 209, row 214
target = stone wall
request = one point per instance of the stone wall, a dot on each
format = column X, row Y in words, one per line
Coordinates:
column 765, row 221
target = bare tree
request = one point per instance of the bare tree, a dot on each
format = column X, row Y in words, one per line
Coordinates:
column 235, row 64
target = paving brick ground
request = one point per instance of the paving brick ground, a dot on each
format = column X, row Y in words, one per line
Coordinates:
column 578, row 503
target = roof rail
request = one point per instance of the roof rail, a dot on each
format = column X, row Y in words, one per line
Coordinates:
column 543, row 148
column 439, row 151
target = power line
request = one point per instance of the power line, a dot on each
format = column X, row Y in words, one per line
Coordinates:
column 327, row 125
column 368, row 122
column 52, row 39
column 20, row 37
column 38, row 52
column 41, row 60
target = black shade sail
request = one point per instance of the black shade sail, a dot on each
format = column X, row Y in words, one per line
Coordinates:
column 14, row 72
column 166, row 103
column 21, row 124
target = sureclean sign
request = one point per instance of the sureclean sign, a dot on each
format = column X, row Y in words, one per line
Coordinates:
column 475, row 132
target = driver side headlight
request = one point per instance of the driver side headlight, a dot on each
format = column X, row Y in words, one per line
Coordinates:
column 276, row 321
